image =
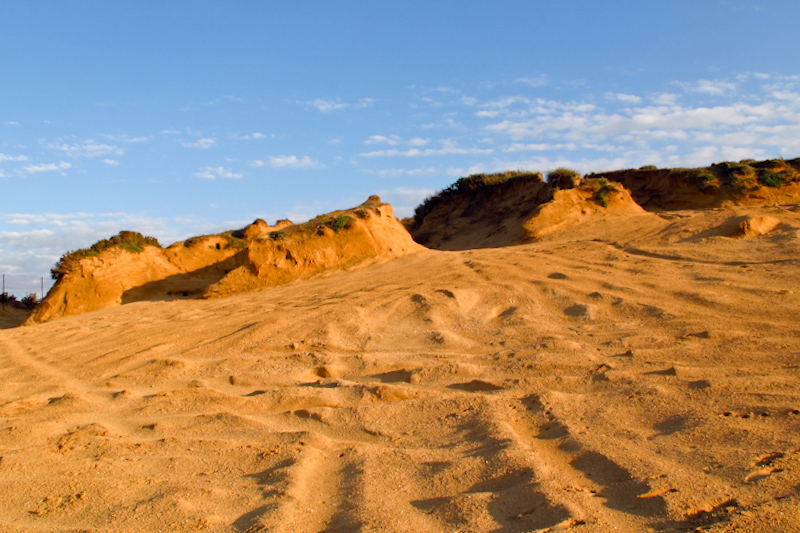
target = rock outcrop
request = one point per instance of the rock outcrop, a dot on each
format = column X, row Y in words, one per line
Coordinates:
column 253, row 258
column 500, row 210
column 719, row 185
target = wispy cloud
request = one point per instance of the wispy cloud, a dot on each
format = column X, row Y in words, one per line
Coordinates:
column 540, row 80
column 448, row 148
column 5, row 157
column 627, row 98
column 48, row 167
column 203, row 143
column 255, row 136
column 87, row 148
column 43, row 237
column 288, row 161
column 392, row 140
column 712, row 87
column 405, row 199
column 128, row 139
column 327, row 105
column 210, row 173
column 396, row 140
column 540, row 147
column 401, row 172
column 111, row 162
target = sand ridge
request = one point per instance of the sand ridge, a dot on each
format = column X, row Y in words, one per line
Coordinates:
column 633, row 374
column 249, row 259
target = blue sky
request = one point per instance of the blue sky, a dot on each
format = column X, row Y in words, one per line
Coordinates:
column 182, row 118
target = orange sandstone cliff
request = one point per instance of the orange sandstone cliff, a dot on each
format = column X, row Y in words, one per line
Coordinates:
column 256, row 257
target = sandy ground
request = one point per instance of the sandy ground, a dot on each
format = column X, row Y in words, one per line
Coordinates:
column 638, row 374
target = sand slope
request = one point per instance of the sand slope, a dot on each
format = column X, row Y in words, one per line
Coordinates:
column 638, row 373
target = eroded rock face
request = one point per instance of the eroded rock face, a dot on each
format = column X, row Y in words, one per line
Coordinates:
column 519, row 210
column 222, row 265
column 719, row 185
column 117, row 276
column 369, row 232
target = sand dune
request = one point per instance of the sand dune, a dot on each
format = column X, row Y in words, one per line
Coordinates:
column 638, row 373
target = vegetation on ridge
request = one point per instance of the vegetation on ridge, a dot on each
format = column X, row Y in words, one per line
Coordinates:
column 130, row 241
column 473, row 184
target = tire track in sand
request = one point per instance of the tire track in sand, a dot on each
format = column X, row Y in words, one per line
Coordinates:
column 48, row 372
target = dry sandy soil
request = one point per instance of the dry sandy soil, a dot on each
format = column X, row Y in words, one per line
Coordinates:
column 639, row 373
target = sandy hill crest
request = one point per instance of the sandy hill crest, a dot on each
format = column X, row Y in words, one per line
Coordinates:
column 748, row 182
column 255, row 257
column 493, row 210
column 485, row 211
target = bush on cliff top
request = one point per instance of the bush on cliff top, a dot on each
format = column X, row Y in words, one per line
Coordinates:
column 130, row 241
column 474, row 183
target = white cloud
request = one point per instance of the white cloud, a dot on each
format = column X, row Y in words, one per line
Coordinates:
column 111, row 162
column 203, row 143
column 211, row 173
column 400, row 172
column 404, row 199
column 288, row 161
column 535, row 81
column 251, row 136
column 49, row 167
column 47, row 236
column 712, row 87
column 448, row 148
column 665, row 99
column 326, row 105
column 392, row 140
column 12, row 123
column 540, row 147
column 4, row 158
column 127, row 139
column 628, row 98
column 87, row 148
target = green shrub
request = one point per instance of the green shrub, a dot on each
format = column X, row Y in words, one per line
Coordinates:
column 601, row 196
column 770, row 179
column 340, row 223
column 648, row 167
column 737, row 168
column 235, row 242
column 561, row 173
column 277, row 235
